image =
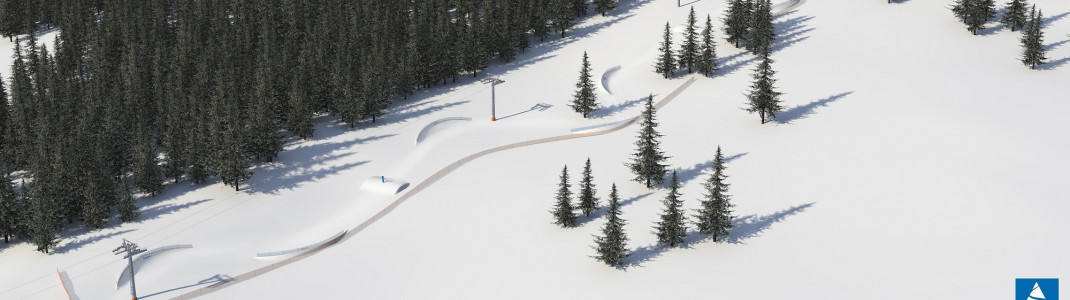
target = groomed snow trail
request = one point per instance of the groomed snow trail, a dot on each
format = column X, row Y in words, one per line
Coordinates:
column 424, row 184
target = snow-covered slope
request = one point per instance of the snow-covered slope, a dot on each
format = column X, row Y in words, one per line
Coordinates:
column 913, row 160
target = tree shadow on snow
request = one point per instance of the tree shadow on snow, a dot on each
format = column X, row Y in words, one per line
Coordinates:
column 804, row 111
column 607, row 111
column 602, row 210
column 79, row 243
column 166, row 209
column 691, row 173
column 752, row 226
column 788, row 32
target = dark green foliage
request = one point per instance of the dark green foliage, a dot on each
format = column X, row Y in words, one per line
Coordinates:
column 737, row 22
column 8, row 208
column 666, row 63
column 42, row 223
column 672, row 229
column 604, row 6
column 1033, row 40
column 563, row 211
column 612, row 245
column 715, row 217
column 564, row 15
column 584, row 101
column 1015, row 17
column 763, row 97
column 761, row 36
column 689, row 49
column 588, row 200
column 127, row 206
column 707, row 60
column 974, row 13
column 648, row 161
column 147, row 175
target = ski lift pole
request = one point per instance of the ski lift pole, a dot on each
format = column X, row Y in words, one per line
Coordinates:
column 129, row 249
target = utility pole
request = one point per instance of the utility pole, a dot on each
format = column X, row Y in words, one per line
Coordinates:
column 129, row 249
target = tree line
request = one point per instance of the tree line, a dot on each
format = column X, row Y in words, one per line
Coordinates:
column 134, row 94
column 977, row 13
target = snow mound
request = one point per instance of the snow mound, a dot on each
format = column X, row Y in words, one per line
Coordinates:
column 288, row 253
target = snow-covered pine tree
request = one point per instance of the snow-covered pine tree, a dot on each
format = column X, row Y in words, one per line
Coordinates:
column 588, row 200
column 584, row 101
column 563, row 211
column 604, row 6
column 1015, row 17
column 715, row 217
column 689, row 48
column 612, row 246
column 762, row 34
column 1033, row 40
column 672, row 229
column 666, row 64
column 735, row 23
column 763, row 97
column 648, row 161
column 707, row 61
column 127, row 206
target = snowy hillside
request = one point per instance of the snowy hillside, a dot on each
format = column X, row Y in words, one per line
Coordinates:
column 913, row 159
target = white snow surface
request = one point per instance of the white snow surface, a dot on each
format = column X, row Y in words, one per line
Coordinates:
column 913, row 159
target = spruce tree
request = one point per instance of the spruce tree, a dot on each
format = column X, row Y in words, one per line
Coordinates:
column 564, row 15
column 8, row 212
column 588, row 200
column 1033, row 40
column 41, row 219
column 563, row 211
column 715, row 217
column 762, row 34
column 127, row 207
column 612, row 246
column 604, row 6
column 147, row 175
column 648, row 161
column 666, row 63
column 736, row 24
column 707, row 61
column 584, row 101
column 763, row 97
column 1014, row 17
column 672, row 229
column 689, row 49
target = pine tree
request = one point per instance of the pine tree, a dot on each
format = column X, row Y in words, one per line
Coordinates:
column 715, row 217
column 604, row 6
column 648, row 161
column 763, row 97
column 1015, row 17
column 666, row 64
column 762, row 34
column 736, row 24
column 147, row 175
column 563, row 211
column 564, row 15
column 707, row 61
column 672, row 229
column 584, row 101
column 689, row 49
column 588, row 200
column 41, row 219
column 127, row 207
column 579, row 7
column 1033, row 40
column 8, row 212
column 612, row 246
column 974, row 13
